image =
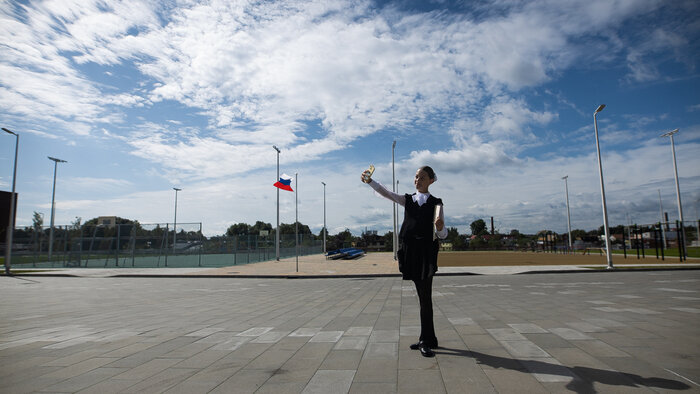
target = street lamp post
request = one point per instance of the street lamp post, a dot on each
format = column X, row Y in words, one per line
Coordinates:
column 277, row 232
column 53, row 202
column 175, row 221
column 602, row 190
column 678, row 189
column 13, row 203
column 568, row 211
column 393, row 188
column 324, row 217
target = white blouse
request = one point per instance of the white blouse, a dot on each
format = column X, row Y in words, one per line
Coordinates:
column 400, row 199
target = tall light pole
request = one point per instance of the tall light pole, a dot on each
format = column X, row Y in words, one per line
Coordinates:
column 13, row 203
column 277, row 232
column 53, row 201
column 175, row 221
column 678, row 189
column 602, row 190
column 568, row 212
column 324, row 217
column 393, row 188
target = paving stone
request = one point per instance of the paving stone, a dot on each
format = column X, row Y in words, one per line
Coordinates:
column 384, row 336
column 505, row 334
column 161, row 381
column 327, row 336
column 342, row 359
column 351, row 343
column 255, row 331
column 569, row 334
column 372, row 388
column 358, row 331
column 381, row 351
column 243, row 381
column 421, row 381
column 271, row 337
column 305, row 332
column 109, row 386
column 330, row 382
column 527, row 328
column 84, row 381
column 524, row 349
column 377, row 371
column 148, row 369
column 79, row 368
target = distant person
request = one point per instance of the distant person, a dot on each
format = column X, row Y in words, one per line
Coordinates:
column 418, row 246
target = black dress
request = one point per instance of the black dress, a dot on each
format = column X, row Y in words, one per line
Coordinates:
column 418, row 251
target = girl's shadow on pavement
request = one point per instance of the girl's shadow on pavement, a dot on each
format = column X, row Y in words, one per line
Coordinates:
column 582, row 378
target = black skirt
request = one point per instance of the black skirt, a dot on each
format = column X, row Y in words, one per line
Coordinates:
column 418, row 258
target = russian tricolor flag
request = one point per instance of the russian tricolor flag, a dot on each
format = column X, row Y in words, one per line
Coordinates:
column 285, row 183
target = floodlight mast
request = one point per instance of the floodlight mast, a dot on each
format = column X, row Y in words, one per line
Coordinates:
column 608, row 254
column 324, row 217
column 568, row 212
column 53, row 201
column 394, row 209
column 175, row 221
column 678, row 189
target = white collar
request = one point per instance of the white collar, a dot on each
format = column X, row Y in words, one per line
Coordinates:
column 420, row 198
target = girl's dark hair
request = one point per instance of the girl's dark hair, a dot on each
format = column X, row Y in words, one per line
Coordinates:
column 429, row 171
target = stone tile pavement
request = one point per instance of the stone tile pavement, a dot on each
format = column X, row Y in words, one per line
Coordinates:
column 538, row 333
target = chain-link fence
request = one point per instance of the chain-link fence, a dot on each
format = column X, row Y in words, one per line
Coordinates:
column 147, row 245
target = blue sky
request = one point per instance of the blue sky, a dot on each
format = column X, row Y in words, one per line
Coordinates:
column 497, row 96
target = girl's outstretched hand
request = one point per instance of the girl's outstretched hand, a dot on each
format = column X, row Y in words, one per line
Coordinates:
column 366, row 176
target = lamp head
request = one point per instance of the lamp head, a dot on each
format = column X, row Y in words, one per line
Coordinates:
column 276, row 148
column 565, row 177
column 324, row 183
column 8, row 131
column 670, row 133
column 56, row 160
column 600, row 108
column 176, row 189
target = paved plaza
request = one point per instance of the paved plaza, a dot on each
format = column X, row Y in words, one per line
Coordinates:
column 537, row 333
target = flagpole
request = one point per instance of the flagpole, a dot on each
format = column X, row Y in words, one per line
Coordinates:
column 296, row 216
column 277, row 232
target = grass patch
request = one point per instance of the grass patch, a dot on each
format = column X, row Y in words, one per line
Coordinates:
column 693, row 251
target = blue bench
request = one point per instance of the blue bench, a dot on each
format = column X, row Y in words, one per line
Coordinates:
column 344, row 253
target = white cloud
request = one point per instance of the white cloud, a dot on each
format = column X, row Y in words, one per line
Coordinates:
column 260, row 72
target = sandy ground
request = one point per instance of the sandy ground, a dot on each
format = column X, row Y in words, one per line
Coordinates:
column 383, row 263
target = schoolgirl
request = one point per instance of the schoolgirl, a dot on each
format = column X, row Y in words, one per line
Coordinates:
column 418, row 246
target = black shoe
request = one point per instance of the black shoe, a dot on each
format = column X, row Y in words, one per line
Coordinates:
column 425, row 351
column 417, row 345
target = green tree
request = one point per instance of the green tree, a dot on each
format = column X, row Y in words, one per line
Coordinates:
column 341, row 240
column 478, row 227
column 388, row 241
column 577, row 234
column 37, row 221
column 260, row 226
column 238, row 229
column 458, row 242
